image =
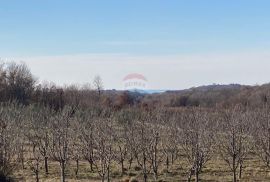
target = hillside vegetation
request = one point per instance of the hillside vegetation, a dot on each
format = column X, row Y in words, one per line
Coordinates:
column 86, row 133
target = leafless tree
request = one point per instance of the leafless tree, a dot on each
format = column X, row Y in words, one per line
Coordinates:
column 98, row 85
column 20, row 129
column 104, row 141
column 170, row 141
column 142, row 143
column 126, row 145
column 35, row 159
column 38, row 119
column 20, row 82
column 121, row 148
column 197, row 140
column 261, row 133
column 3, row 82
column 8, row 119
column 76, row 144
column 154, row 153
column 155, row 131
column 234, row 139
column 86, row 137
column 60, row 137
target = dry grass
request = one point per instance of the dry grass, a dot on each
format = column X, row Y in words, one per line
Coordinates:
column 215, row 170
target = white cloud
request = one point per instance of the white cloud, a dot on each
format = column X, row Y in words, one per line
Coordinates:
column 162, row 72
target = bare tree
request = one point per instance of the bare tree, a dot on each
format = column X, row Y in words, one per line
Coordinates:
column 170, row 142
column 35, row 160
column 20, row 82
column 261, row 134
column 104, row 141
column 3, row 82
column 98, row 85
column 20, row 127
column 121, row 149
column 76, row 144
column 197, row 141
column 76, row 153
column 154, row 152
column 234, row 143
column 8, row 119
column 125, row 139
column 142, row 143
column 38, row 119
column 86, row 137
column 60, row 137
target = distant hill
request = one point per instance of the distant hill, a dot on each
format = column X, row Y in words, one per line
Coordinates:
column 211, row 95
column 215, row 95
column 206, row 88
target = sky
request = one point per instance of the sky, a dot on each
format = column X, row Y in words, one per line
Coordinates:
column 175, row 44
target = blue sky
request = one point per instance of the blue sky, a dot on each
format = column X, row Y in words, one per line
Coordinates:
column 132, row 26
column 138, row 28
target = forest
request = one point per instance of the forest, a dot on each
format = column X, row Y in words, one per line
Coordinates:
column 87, row 133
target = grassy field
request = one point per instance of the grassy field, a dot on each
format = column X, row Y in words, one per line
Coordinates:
column 215, row 170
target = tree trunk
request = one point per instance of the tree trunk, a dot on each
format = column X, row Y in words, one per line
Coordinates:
column 37, row 171
column 46, row 165
column 37, row 176
column 130, row 163
column 172, row 158
column 190, row 175
column 167, row 163
column 22, row 161
column 155, row 175
column 144, row 168
column 234, row 169
column 234, row 176
column 197, row 175
column 77, row 167
column 155, row 169
column 63, row 176
column 91, row 165
column 145, row 177
column 122, row 167
column 90, row 160
column 108, row 174
column 22, row 156
column 240, row 170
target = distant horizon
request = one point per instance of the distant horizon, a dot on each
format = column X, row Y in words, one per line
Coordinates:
column 194, row 87
column 163, row 72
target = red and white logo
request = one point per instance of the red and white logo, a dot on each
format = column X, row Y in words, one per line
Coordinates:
column 135, row 81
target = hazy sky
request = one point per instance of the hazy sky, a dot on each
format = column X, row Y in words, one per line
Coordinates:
column 175, row 43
